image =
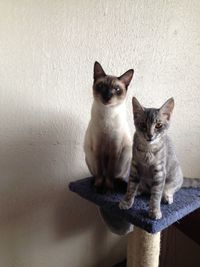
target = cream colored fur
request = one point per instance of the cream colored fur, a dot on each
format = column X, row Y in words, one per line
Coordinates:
column 108, row 134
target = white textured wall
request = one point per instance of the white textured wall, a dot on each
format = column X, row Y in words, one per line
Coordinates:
column 47, row 51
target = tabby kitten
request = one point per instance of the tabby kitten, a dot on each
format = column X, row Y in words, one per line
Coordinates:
column 155, row 168
column 108, row 144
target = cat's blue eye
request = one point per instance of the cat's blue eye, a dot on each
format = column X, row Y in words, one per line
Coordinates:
column 118, row 91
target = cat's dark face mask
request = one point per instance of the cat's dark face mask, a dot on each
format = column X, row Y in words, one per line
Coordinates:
column 110, row 90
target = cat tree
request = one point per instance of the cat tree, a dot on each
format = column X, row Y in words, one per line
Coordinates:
column 143, row 248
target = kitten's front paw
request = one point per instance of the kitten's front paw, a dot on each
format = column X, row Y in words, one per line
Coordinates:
column 155, row 214
column 125, row 204
column 167, row 199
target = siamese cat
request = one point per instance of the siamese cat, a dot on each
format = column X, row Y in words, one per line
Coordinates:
column 108, row 143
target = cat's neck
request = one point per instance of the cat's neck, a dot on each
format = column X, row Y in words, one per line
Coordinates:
column 106, row 111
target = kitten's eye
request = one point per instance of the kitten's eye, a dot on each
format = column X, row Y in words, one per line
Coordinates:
column 158, row 125
column 118, row 91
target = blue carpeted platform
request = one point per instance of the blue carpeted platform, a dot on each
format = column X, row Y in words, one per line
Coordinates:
column 185, row 201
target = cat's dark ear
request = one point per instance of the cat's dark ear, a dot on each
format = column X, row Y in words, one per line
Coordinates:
column 167, row 108
column 98, row 71
column 126, row 77
column 137, row 108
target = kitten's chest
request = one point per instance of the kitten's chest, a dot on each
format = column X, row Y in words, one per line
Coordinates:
column 146, row 161
column 146, row 158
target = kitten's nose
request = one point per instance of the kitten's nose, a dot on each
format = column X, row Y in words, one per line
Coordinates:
column 149, row 135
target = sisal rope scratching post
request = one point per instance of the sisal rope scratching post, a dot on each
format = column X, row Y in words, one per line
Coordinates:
column 143, row 247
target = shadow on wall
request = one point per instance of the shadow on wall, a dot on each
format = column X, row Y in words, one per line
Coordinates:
column 34, row 167
column 35, row 200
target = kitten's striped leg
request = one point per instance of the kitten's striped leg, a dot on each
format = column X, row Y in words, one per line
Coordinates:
column 132, row 187
column 157, row 191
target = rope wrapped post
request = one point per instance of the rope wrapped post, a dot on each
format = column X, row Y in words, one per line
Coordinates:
column 143, row 249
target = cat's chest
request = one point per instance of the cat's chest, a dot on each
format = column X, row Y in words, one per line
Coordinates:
column 109, row 127
column 145, row 161
column 111, row 122
column 146, row 158
column 108, row 136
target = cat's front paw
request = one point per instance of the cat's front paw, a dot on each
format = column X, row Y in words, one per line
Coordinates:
column 125, row 204
column 155, row 214
column 98, row 185
column 109, row 186
column 167, row 199
column 98, row 181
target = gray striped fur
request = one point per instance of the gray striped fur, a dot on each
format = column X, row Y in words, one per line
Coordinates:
column 155, row 168
column 191, row 182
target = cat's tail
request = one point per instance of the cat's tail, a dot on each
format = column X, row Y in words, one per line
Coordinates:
column 191, row 182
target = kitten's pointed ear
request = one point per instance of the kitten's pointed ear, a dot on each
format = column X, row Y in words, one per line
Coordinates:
column 137, row 108
column 98, row 71
column 126, row 77
column 167, row 108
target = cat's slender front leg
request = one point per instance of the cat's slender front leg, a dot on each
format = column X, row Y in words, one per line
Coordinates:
column 94, row 163
column 97, row 163
column 113, row 160
column 132, row 187
column 159, row 174
column 110, row 176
